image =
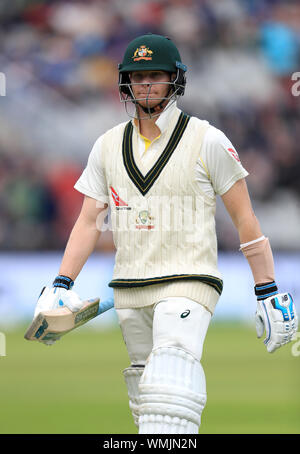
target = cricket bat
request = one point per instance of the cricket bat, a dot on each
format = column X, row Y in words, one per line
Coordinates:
column 51, row 325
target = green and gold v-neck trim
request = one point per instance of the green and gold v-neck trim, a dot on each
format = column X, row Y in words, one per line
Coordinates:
column 144, row 183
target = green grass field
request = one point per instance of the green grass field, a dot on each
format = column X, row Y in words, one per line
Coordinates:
column 76, row 386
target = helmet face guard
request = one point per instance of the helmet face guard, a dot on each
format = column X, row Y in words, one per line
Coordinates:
column 151, row 53
column 176, row 88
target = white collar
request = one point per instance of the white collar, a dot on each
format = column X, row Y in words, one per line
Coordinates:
column 164, row 120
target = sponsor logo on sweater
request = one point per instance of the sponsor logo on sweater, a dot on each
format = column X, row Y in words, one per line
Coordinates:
column 119, row 203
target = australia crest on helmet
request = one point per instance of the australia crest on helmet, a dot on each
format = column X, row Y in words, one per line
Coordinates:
column 142, row 53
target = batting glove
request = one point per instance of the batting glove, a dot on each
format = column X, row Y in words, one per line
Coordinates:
column 60, row 295
column 276, row 315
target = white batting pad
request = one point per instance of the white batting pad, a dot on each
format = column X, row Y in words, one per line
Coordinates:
column 132, row 376
column 172, row 393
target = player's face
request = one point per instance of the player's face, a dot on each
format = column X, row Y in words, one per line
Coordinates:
column 150, row 85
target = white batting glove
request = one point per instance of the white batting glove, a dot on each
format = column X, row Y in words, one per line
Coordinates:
column 277, row 316
column 55, row 298
column 60, row 295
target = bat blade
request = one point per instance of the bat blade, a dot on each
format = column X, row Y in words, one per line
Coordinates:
column 51, row 325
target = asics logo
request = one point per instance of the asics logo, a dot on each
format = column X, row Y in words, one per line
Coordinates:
column 185, row 314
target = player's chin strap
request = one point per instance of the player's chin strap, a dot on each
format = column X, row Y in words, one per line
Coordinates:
column 151, row 110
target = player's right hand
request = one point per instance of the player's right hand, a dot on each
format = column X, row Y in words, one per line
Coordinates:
column 60, row 295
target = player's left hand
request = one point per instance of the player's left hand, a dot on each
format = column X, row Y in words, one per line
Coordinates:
column 277, row 316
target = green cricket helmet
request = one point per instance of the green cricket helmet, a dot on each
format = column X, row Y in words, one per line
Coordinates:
column 152, row 53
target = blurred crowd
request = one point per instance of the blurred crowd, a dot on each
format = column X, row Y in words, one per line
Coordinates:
column 60, row 61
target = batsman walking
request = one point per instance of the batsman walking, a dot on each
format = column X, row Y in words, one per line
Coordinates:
column 160, row 174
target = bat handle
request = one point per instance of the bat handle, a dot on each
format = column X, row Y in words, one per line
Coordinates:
column 105, row 305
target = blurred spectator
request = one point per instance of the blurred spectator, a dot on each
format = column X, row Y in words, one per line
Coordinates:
column 60, row 180
column 279, row 36
column 27, row 207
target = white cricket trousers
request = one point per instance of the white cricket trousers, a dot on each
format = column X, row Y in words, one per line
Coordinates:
column 172, row 322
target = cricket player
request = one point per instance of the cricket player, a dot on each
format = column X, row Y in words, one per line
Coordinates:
column 159, row 174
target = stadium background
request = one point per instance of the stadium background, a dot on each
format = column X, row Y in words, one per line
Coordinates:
column 60, row 63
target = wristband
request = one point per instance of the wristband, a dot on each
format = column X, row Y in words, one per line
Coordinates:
column 63, row 282
column 263, row 291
